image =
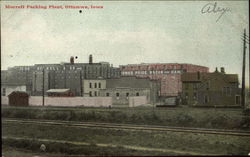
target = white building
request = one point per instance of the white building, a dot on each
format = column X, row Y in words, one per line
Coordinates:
column 6, row 89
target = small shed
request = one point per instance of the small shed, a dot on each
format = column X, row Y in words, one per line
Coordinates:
column 59, row 93
column 18, row 98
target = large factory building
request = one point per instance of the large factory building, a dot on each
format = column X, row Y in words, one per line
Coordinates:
column 58, row 76
column 169, row 74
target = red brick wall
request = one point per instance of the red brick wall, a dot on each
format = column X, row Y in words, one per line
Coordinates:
column 170, row 82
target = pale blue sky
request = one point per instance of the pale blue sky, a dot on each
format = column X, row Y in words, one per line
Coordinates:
column 125, row 33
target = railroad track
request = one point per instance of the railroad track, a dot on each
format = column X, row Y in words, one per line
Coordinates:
column 128, row 126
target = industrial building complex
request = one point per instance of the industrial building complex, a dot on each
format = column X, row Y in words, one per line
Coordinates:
column 155, row 84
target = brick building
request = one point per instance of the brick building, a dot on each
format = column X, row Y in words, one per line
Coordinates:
column 210, row 89
column 169, row 74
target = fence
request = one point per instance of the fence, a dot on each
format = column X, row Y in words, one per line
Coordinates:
column 78, row 101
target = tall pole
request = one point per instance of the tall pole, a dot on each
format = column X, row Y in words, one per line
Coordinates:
column 43, row 87
column 243, row 70
column 81, row 83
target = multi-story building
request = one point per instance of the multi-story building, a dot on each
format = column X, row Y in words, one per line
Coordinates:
column 169, row 74
column 59, row 76
column 92, row 87
column 210, row 89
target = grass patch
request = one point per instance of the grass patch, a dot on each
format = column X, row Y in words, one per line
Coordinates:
column 203, row 143
column 189, row 117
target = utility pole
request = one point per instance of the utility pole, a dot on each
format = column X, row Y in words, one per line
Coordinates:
column 243, row 70
column 43, row 86
column 81, row 83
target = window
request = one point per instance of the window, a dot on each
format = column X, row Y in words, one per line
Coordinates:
column 208, row 85
column 206, row 99
column 107, row 94
column 117, row 94
column 237, row 100
column 95, row 93
column 227, row 91
column 4, row 92
column 137, row 94
column 186, row 86
column 127, row 94
column 90, row 85
column 100, row 85
column 95, row 85
column 90, row 93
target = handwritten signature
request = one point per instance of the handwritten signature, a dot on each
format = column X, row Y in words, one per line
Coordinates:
column 213, row 8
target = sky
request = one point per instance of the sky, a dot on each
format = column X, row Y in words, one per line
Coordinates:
column 125, row 32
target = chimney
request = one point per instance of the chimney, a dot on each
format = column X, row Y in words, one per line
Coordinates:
column 90, row 59
column 71, row 60
column 222, row 70
column 216, row 70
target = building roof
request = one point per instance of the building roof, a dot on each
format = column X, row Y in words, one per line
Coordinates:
column 58, row 90
column 12, row 84
column 197, row 77
column 19, row 93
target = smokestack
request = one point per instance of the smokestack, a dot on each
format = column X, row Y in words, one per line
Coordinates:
column 216, row 70
column 222, row 70
column 71, row 60
column 90, row 59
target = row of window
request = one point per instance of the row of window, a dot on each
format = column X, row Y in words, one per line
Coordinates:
column 118, row 94
column 95, row 85
column 70, row 68
column 95, row 93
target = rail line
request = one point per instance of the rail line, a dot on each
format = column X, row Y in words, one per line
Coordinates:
column 129, row 126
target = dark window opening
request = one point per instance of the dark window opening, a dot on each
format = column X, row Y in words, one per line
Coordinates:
column 107, row 94
column 90, row 93
column 137, row 94
column 100, row 85
column 117, row 94
column 95, row 93
column 206, row 99
column 237, row 100
column 90, row 85
column 127, row 94
column 95, row 85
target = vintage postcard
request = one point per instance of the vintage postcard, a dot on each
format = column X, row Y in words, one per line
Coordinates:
column 125, row 78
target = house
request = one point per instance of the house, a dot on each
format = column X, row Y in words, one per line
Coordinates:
column 210, row 89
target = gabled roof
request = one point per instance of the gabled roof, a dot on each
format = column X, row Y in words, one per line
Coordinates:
column 20, row 93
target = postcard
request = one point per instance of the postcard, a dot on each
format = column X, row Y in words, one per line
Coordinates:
column 125, row 78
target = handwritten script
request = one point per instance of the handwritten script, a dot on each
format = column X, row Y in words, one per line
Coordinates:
column 214, row 8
